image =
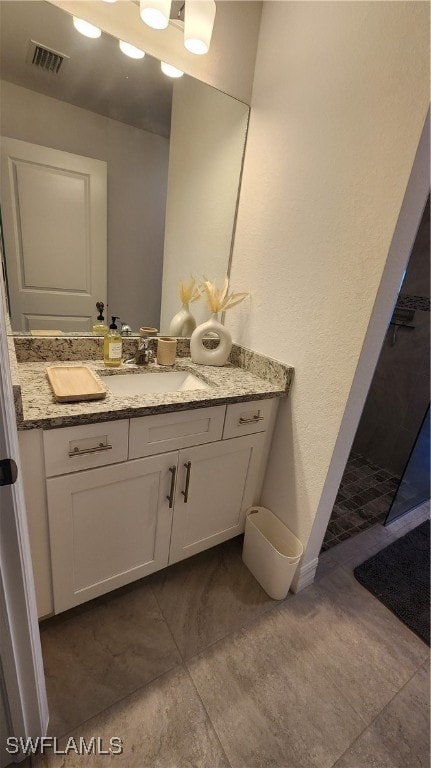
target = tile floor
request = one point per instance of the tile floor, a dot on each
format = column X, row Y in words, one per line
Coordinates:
column 195, row 667
column 365, row 495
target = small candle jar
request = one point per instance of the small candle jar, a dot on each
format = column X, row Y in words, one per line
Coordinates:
column 166, row 350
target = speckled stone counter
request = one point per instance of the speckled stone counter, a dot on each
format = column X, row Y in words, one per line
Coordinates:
column 248, row 377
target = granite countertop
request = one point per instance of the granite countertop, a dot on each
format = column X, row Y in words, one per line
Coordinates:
column 248, row 377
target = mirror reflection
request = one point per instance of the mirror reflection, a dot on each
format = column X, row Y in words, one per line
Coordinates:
column 117, row 182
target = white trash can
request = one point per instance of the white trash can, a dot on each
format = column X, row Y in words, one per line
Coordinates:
column 271, row 552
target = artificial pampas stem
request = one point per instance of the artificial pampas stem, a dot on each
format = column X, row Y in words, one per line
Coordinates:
column 189, row 292
column 220, row 300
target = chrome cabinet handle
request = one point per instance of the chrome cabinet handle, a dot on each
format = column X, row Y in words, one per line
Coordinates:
column 98, row 449
column 170, row 498
column 253, row 420
column 185, row 492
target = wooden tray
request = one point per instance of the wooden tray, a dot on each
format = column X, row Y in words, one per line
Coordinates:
column 74, row 383
column 47, row 333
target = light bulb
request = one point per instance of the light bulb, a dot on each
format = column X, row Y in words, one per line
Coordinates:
column 130, row 50
column 198, row 25
column 109, row 1
column 155, row 13
column 171, row 71
column 194, row 45
column 85, row 28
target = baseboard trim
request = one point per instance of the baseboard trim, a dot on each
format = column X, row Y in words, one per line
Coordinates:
column 304, row 575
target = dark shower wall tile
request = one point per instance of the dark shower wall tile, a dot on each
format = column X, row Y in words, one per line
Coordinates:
column 398, row 397
column 395, row 378
column 417, row 280
column 388, row 445
column 401, row 449
column 419, row 403
column 374, row 438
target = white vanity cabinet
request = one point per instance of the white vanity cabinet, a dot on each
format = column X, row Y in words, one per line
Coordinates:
column 108, row 527
column 216, row 484
column 119, row 500
column 219, row 470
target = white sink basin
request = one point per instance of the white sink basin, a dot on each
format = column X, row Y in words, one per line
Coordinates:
column 129, row 384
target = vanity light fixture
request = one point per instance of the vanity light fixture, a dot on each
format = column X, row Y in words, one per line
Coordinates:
column 170, row 71
column 109, row 1
column 85, row 28
column 130, row 50
column 196, row 17
column 155, row 13
column 198, row 25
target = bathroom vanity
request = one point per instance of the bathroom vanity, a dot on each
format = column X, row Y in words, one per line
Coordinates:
column 120, row 488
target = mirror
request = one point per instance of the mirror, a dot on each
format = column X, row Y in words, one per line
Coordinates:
column 172, row 150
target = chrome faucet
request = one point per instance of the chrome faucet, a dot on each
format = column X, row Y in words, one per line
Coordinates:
column 143, row 354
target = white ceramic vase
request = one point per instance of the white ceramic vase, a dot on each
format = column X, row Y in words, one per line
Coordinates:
column 183, row 323
column 204, row 356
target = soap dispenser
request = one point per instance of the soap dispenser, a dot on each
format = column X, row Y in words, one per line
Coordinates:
column 112, row 346
column 100, row 328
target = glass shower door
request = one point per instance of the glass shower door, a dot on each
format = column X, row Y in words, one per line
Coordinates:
column 414, row 487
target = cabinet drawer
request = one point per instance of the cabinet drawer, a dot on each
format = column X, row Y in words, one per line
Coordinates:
column 84, row 447
column 170, row 431
column 247, row 418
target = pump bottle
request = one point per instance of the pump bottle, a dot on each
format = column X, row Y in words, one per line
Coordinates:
column 113, row 346
column 100, row 328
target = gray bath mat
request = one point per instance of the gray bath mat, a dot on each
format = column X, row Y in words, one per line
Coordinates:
column 399, row 576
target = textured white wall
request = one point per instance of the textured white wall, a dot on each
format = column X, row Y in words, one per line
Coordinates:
column 339, row 101
column 137, row 184
column 208, row 131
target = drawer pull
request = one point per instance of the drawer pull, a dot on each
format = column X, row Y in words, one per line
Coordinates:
column 98, row 449
column 253, row 420
column 185, row 493
column 170, row 498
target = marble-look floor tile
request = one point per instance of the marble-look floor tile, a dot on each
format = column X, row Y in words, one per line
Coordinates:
column 163, row 725
column 358, row 548
column 327, row 563
column 399, row 736
column 269, row 700
column 207, row 596
column 402, row 644
column 96, row 655
column 359, row 646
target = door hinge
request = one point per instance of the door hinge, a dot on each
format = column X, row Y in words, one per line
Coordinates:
column 8, row 472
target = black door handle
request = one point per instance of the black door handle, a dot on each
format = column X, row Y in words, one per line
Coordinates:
column 170, row 498
column 188, row 466
column 8, row 472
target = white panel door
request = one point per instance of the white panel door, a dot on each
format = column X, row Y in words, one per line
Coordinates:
column 108, row 527
column 215, row 486
column 23, row 702
column 55, row 222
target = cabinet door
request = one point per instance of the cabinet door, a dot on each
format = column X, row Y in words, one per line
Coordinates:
column 108, row 527
column 211, row 506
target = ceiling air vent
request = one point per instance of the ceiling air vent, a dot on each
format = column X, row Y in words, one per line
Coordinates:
column 45, row 58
